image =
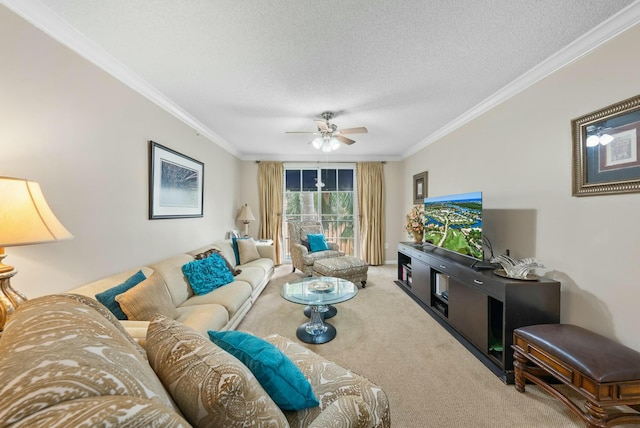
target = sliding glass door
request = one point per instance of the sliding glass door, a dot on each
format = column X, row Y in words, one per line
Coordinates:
column 325, row 193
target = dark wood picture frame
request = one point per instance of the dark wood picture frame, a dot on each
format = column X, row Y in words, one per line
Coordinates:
column 176, row 184
column 420, row 182
column 602, row 167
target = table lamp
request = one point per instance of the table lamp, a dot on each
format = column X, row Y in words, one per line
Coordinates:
column 246, row 216
column 25, row 218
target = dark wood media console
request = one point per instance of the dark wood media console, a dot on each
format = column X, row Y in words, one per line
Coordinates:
column 477, row 307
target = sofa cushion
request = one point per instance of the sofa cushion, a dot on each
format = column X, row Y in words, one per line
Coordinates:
column 232, row 296
column 204, row 317
column 247, row 251
column 310, row 258
column 108, row 297
column 282, row 380
column 317, row 242
column 56, row 349
column 253, row 275
column 211, row 387
column 113, row 411
column 145, row 300
column 205, row 275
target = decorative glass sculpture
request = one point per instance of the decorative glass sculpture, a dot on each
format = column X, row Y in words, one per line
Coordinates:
column 518, row 269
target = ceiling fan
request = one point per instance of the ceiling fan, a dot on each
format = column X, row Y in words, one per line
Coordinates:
column 329, row 135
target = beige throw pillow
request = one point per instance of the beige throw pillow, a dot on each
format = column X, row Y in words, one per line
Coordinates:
column 247, row 250
column 148, row 298
column 210, row 386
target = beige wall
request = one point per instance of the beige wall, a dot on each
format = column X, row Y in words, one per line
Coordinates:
column 519, row 155
column 84, row 137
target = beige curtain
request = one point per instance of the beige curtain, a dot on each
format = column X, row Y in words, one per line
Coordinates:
column 370, row 178
column 270, row 179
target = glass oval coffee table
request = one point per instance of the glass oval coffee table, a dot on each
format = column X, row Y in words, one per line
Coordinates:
column 318, row 293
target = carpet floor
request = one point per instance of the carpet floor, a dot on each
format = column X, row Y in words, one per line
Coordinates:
column 430, row 378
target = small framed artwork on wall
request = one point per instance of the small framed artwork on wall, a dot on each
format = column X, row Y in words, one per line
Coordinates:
column 606, row 150
column 420, row 187
column 175, row 184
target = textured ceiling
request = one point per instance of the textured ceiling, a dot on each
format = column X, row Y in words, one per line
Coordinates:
column 244, row 72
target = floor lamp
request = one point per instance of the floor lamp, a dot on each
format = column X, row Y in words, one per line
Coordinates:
column 25, row 218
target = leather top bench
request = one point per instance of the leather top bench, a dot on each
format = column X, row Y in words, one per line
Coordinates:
column 601, row 370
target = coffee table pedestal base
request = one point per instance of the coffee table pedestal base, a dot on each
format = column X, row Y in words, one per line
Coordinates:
column 317, row 339
column 316, row 331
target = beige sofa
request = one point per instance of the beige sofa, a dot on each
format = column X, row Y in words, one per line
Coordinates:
column 221, row 309
column 66, row 361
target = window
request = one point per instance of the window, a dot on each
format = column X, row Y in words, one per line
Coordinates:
column 327, row 194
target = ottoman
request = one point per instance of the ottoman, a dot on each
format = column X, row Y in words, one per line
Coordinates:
column 345, row 267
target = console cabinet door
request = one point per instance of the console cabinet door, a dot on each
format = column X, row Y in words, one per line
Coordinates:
column 468, row 313
column 421, row 280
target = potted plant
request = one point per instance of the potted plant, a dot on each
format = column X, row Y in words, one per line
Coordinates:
column 415, row 223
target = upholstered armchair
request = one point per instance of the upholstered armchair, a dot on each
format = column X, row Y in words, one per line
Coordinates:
column 301, row 256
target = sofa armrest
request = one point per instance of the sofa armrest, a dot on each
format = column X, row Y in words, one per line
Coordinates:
column 267, row 252
column 136, row 329
column 301, row 249
column 349, row 411
column 331, row 383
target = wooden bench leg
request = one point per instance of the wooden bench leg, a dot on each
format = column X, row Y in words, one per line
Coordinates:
column 519, row 365
column 596, row 416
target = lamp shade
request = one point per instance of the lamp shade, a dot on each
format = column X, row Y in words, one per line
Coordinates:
column 246, row 214
column 25, row 216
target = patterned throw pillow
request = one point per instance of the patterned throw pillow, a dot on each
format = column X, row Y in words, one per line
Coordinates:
column 305, row 243
column 108, row 297
column 145, row 300
column 207, row 274
column 210, row 386
column 277, row 374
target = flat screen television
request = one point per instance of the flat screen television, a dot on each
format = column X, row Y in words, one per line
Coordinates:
column 454, row 222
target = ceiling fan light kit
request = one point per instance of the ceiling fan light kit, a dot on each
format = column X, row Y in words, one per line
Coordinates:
column 329, row 136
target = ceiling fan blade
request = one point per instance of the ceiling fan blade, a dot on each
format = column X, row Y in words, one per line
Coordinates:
column 359, row 130
column 345, row 140
column 322, row 125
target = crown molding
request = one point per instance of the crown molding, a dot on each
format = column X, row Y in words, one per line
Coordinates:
column 612, row 27
column 320, row 157
column 53, row 25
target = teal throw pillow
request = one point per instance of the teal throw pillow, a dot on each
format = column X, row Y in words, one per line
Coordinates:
column 235, row 248
column 278, row 375
column 207, row 274
column 108, row 297
column 317, row 242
